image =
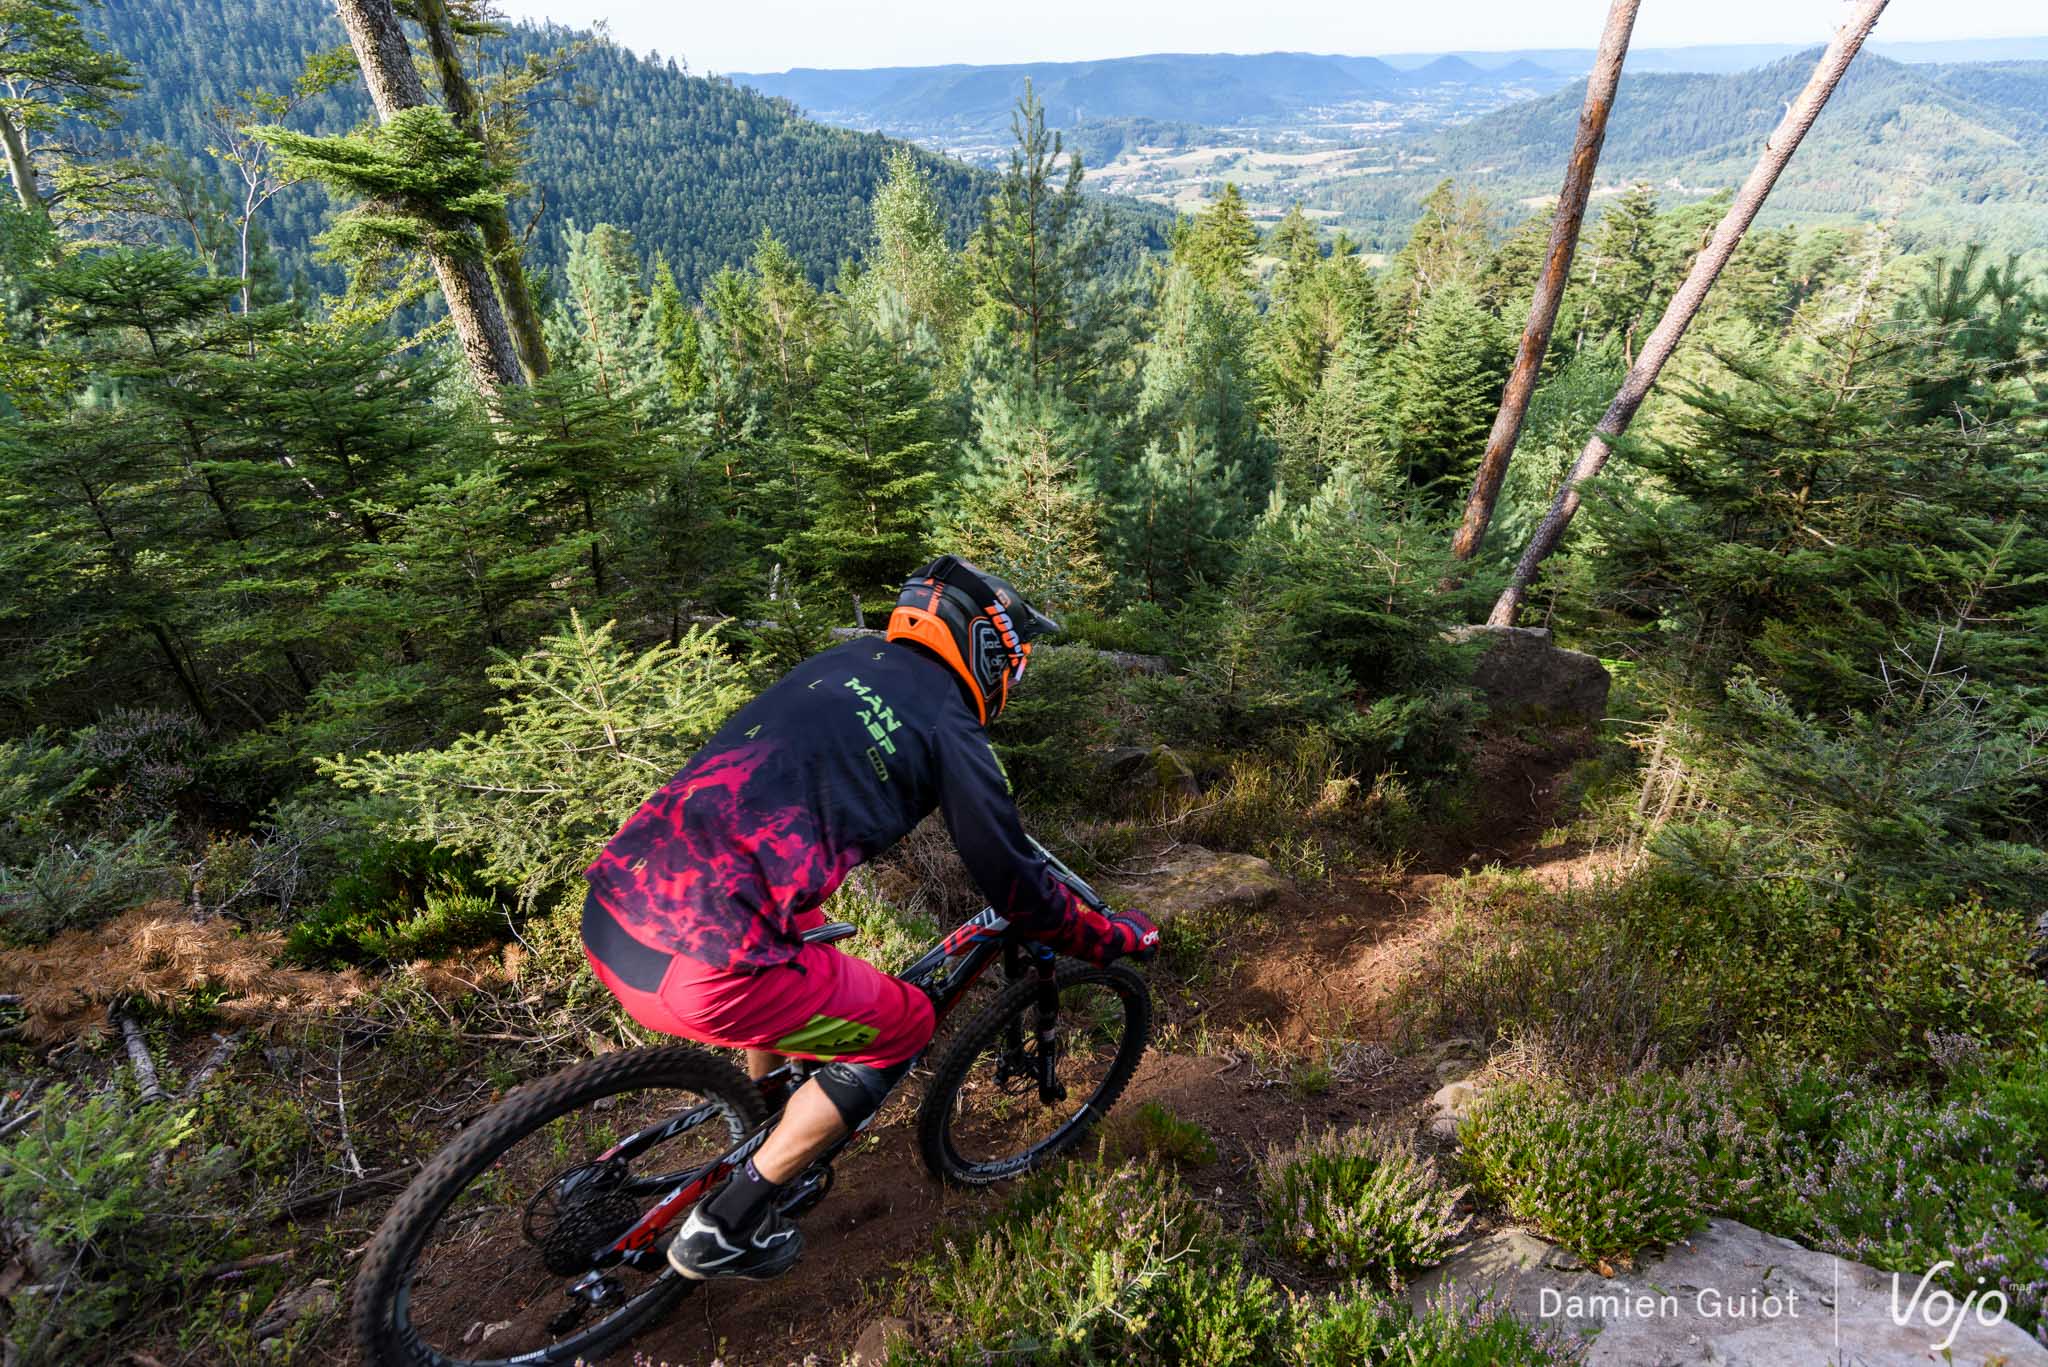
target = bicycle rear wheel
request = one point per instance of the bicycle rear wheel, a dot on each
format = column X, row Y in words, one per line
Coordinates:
column 474, row 1263
column 989, row 1115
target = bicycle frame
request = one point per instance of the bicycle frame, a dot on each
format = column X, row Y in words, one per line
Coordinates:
column 944, row 973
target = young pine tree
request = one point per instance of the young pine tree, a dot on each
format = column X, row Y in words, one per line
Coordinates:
column 1036, row 256
column 1218, row 244
column 1200, row 375
column 913, row 274
column 866, row 462
column 1175, row 513
column 1447, row 384
column 1023, row 508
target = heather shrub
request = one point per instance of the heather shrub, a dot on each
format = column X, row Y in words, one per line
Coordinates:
column 1087, row 1265
column 1907, row 1180
column 891, row 937
column 1902, row 1178
column 1360, row 1201
column 1604, row 1174
column 1361, row 1330
column 1218, row 1314
column 1662, row 966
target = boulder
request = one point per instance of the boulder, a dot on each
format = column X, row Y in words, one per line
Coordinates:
column 1149, row 772
column 871, row 1349
column 1192, row 881
column 1735, row 1297
column 1451, row 1104
column 1523, row 675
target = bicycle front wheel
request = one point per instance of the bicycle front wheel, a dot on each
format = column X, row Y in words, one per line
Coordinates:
column 1001, row 1103
column 476, row 1262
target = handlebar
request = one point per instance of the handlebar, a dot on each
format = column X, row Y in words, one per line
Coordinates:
column 1073, row 880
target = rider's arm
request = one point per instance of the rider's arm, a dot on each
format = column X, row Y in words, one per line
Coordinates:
column 976, row 803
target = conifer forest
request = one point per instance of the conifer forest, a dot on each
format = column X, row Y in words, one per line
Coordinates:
column 420, row 432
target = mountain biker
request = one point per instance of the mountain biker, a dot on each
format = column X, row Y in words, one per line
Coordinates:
column 698, row 905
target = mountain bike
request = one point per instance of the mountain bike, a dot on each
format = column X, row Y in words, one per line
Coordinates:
column 538, row 1235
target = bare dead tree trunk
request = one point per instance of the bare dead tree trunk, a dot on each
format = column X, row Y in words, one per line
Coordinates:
column 21, row 166
column 1601, row 83
column 1657, row 348
column 386, row 60
column 521, row 314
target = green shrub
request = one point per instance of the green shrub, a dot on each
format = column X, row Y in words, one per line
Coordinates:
column 1960, row 972
column 1906, row 1181
column 585, row 730
column 1085, row 1266
column 120, row 1216
column 1071, row 701
column 41, row 779
column 79, row 885
column 1921, row 797
column 891, row 937
column 1140, row 629
column 1218, row 1314
column 1665, row 966
column 1358, row 1201
column 1157, row 1133
column 402, row 899
column 1361, row 1330
column 1604, row 1174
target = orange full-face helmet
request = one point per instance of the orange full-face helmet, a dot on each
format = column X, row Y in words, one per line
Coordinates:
column 976, row 622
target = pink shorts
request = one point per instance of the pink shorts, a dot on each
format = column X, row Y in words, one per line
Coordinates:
column 824, row 1004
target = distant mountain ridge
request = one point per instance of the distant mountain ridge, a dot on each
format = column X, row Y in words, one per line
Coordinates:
column 1216, row 88
column 1226, row 88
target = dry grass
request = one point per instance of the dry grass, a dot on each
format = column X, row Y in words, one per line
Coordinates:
column 160, row 955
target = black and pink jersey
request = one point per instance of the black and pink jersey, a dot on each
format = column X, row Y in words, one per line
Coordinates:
column 829, row 767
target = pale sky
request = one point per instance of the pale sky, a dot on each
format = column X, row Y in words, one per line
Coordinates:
column 773, row 35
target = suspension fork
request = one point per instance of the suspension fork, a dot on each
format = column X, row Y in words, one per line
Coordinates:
column 1045, row 1017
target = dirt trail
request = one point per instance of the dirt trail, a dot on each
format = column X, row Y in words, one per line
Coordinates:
column 1313, row 970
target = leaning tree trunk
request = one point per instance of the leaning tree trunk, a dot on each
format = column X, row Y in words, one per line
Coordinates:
column 521, row 314
column 1601, row 84
column 21, row 167
column 1657, row 349
column 386, row 60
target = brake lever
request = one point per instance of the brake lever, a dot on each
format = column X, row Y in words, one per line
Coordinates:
column 1071, row 879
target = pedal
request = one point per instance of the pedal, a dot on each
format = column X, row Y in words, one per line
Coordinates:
column 805, row 1193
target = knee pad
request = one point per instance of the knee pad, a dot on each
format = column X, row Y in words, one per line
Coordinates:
column 857, row 1090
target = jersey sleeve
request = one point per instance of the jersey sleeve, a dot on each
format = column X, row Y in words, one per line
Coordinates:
column 975, row 800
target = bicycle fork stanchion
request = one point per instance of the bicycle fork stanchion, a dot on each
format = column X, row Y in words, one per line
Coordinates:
column 1045, row 1028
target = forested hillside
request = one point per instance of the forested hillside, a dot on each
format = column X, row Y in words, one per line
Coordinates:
column 696, row 168
column 338, row 635
column 1962, row 146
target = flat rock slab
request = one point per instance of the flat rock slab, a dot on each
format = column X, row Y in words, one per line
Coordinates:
column 1735, row 1297
column 1193, row 881
column 1523, row 674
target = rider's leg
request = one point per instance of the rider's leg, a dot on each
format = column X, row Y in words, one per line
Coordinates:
column 809, row 1124
column 870, row 1026
column 762, row 1062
